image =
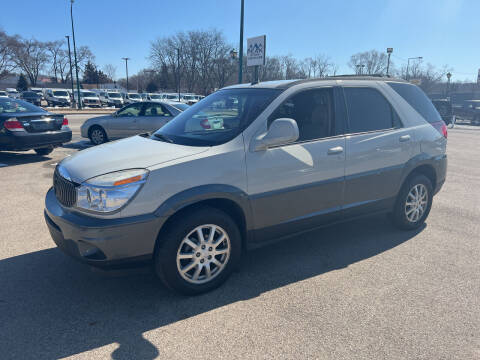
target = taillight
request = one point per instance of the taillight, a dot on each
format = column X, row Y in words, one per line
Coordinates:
column 65, row 121
column 205, row 124
column 441, row 128
column 13, row 125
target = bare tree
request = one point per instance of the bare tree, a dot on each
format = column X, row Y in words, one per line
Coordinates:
column 426, row 75
column 84, row 55
column 6, row 63
column 30, row 56
column 55, row 50
column 110, row 70
column 374, row 62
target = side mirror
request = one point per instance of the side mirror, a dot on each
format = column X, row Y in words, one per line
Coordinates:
column 281, row 132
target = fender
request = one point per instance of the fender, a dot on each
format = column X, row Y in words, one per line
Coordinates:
column 206, row 192
column 438, row 163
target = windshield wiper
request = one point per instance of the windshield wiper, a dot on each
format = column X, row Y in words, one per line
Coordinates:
column 163, row 138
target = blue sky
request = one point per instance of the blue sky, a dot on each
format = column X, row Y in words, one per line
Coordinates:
column 442, row 31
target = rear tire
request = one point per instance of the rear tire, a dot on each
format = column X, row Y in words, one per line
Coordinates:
column 97, row 135
column 43, row 151
column 413, row 203
column 191, row 265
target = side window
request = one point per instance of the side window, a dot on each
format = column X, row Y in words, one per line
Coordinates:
column 131, row 110
column 313, row 110
column 368, row 110
column 156, row 110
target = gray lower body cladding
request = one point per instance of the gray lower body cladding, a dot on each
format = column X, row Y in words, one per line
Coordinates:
column 101, row 242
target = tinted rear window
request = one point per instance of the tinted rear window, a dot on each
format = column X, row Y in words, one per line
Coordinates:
column 368, row 110
column 417, row 99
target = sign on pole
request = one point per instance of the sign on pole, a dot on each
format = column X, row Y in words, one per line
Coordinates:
column 256, row 50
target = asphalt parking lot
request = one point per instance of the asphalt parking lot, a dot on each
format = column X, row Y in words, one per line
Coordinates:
column 360, row 290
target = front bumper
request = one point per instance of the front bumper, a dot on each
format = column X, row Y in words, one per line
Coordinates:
column 23, row 140
column 106, row 243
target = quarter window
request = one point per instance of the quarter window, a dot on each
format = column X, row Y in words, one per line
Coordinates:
column 368, row 110
column 313, row 110
column 417, row 99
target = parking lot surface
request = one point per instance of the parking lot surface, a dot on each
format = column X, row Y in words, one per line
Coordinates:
column 359, row 290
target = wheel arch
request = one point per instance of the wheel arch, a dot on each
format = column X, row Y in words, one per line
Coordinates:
column 424, row 165
column 226, row 198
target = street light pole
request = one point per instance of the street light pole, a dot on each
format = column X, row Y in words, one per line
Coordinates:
column 79, row 101
column 408, row 64
column 71, row 69
column 178, row 73
column 240, row 56
column 389, row 52
column 126, row 68
column 449, row 75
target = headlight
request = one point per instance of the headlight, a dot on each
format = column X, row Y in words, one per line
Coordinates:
column 109, row 192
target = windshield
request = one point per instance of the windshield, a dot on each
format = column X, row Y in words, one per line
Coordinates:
column 12, row 106
column 29, row 93
column 114, row 95
column 60, row 93
column 172, row 97
column 217, row 119
column 155, row 97
column 3, row 93
column 134, row 96
column 189, row 97
column 89, row 94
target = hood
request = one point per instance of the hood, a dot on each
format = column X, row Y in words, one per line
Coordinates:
column 130, row 153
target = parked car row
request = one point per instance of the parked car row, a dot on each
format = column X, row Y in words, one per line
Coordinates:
column 95, row 97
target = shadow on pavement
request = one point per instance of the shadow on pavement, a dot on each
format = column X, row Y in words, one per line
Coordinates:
column 20, row 158
column 53, row 307
column 78, row 145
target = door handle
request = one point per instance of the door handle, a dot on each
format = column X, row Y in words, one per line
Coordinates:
column 335, row 150
column 404, row 138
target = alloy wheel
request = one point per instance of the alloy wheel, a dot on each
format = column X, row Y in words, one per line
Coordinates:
column 97, row 136
column 203, row 254
column 417, row 202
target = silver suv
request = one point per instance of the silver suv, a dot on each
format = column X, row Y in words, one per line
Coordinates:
column 250, row 164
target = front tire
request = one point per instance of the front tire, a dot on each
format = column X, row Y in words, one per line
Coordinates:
column 198, row 251
column 97, row 135
column 413, row 203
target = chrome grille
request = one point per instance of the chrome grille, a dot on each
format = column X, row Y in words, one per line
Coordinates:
column 64, row 190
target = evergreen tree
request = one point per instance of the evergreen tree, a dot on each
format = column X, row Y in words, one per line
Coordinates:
column 22, row 84
column 152, row 87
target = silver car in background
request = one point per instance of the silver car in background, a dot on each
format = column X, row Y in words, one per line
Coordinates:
column 133, row 119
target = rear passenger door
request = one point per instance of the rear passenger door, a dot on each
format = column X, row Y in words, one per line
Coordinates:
column 377, row 148
column 153, row 117
column 297, row 186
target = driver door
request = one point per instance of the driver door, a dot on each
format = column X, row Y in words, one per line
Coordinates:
column 125, row 121
column 298, row 186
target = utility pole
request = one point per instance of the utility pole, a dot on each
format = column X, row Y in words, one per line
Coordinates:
column 178, row 73
column 71, row 69
column 79, row 102
column 240, row 57
column 389, row 52
column 126, row 68
column 408, row 64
